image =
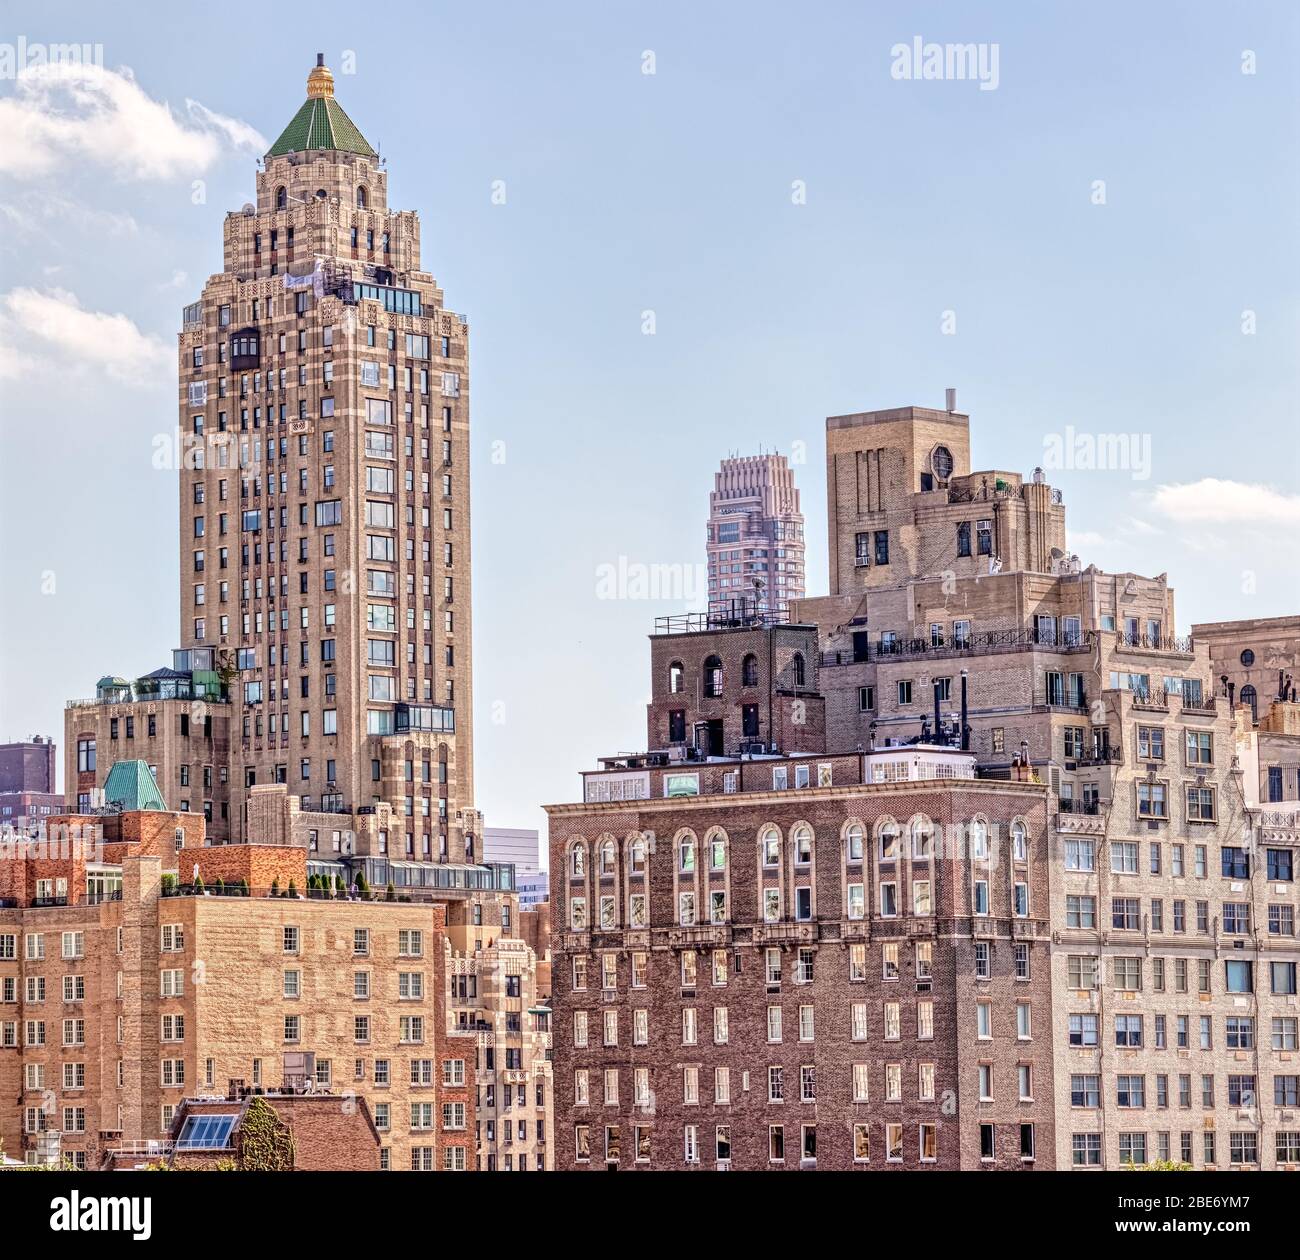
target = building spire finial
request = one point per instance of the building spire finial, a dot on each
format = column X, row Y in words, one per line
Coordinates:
column 320, row 82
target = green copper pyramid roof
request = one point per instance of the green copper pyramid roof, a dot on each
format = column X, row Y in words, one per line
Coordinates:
column 131, row 785
column 321, row 124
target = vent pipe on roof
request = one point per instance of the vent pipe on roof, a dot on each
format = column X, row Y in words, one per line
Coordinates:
column 950, row 400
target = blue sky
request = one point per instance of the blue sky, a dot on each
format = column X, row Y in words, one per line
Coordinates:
column 797, row 219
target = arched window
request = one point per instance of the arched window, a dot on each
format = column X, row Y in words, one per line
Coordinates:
column 749, row 671
column 718, row 851
column 1019, row 842
column 853, row 842
column 1248, row 696
column 712, row 676
column 803, row 845
column 979, row 838
column 799, row 669
column 577, row 861
column 637, row 856
column 281, row 198
column 922, row 839
column 676, row 677
column 889, row 834
column 686, row 854
column 362, row 199
column 607, row 858
column 769, row 841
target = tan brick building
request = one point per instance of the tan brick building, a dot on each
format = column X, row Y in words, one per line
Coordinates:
column 176, row 719
column 119, row 1000
column 958, row 624
column 1257, row 663
column 323, row 459
column 496, row 1000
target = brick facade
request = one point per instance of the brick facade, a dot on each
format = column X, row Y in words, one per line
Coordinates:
column 1163, row 844
column 835, row 936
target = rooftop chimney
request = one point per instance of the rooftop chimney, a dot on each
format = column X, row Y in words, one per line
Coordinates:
column 950, row 403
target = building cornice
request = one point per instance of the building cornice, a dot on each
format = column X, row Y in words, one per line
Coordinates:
column 851, row 791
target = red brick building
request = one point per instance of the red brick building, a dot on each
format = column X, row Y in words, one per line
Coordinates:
column 852, row 974
column 315, row 1132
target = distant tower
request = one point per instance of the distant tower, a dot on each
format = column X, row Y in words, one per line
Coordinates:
column 755, row 537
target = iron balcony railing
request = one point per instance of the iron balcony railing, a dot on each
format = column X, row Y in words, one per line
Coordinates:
column 974, row 643
column 1100, row 757
column 1183, row 646
column 1068, row 805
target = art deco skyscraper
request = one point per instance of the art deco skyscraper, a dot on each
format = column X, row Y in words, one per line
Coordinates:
column 755, row 537
column 324, row 493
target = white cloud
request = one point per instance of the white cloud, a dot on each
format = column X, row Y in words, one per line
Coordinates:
column 14, row 363
column 33, row 324
column 67, row 114
column 33, row 215
column 238, row 134
column 1212, row 501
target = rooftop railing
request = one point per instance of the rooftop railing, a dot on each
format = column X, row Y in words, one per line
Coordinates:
column 694, row 623
column 973, row 644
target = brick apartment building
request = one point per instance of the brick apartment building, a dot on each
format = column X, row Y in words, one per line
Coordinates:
column 1258, row 662
column 498, row 998
column 1161, row 852
column 27, row 781
column 126, row 990
column 852, row 974
column 324, row 518
column 321, row 699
